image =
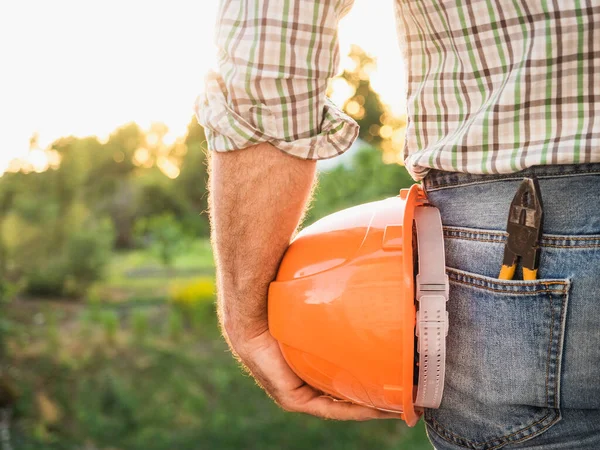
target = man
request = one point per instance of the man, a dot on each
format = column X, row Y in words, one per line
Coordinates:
column 498, row 90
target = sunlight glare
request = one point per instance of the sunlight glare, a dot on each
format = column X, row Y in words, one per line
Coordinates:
column 38, row 160
column 169, row 138
column 341, row 91
column 141, row 157
column 353, row 108
column 168, row 167
column 87, row 68
column 386, row 132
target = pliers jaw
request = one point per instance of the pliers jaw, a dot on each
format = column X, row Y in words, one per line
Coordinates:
column 524, row 229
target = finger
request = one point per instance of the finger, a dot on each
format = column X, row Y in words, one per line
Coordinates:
column 271, row 371
column 267, row 365
column 329, row 408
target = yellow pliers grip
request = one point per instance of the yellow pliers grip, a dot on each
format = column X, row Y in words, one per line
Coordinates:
column 529, row 274
column 508, row 273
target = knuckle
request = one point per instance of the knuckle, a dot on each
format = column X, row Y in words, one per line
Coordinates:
column 282, row 402
column 287, row 406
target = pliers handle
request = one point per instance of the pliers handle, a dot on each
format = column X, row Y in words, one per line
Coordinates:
column 524, row 229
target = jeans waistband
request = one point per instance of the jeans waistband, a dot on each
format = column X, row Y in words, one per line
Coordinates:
column 570, row 196
column 438, row 179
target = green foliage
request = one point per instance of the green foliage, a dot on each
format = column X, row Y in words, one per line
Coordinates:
column 107, row 405
column 180, row 390
column 184, row 395
column 88, row 252
column 366, row 179
column 195, row 299
column 189, row 294
column 91, row 317
column 7, row 290
column 140, row 326
column 378, row 125
column 165, row 235
column 8, row 193
column 52, row 331
column 94, row 303
column 46, row 281
column 72, row 268
column 370, row 106
column 110, row 325
column 175, row 325
column 191, row 182
column 159, row 197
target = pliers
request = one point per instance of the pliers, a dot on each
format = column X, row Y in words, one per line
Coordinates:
column 524, row 229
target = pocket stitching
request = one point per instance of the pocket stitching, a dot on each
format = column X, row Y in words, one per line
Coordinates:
column 550, row 344
column 499, row 237
column 559, row 344
column 489, row 283
column 467, row 443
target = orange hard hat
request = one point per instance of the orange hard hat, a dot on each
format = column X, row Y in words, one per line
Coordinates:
column 352, row 316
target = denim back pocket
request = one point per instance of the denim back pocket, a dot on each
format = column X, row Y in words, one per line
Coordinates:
column 504, row 351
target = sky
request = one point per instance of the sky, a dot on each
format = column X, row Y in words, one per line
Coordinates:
column 83, row 67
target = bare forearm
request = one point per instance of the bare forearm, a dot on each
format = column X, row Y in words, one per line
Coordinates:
column 257, row 198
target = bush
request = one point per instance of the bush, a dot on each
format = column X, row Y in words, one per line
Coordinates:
column 75, row 267
column 199, row 291
column 165, row 235
column 196, row 300
column 365, row 179
column 140, row 326
column 46, row 281
column 175, row 325
column 88, row 253
column 52, row 333
column 110, row 324
column 7, row 290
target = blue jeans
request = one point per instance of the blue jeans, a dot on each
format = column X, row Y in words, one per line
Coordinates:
column 523, row 361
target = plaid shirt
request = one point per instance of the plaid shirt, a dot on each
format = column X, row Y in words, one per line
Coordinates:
column 495, row 86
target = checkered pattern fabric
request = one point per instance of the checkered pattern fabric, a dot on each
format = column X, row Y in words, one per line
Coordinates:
column 495, row 86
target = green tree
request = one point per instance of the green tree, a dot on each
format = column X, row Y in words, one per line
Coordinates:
column 192, row 180
column 68, row 180
column 7, row 197
column 364, row 106
column 72, row 268
column 378, row 126
column 111, row 187
column 165, row 235
column 366, row 179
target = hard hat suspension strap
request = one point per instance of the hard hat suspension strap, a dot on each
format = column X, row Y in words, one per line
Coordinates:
column 432, row 318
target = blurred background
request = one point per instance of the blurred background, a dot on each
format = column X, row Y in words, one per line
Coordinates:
column 108, row 337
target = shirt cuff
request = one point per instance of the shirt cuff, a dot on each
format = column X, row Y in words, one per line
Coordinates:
column 229, row 128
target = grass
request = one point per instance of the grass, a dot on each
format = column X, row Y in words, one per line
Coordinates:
column 130, row 374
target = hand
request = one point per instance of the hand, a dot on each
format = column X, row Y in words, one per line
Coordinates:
column 257, row 198
column 263, row 358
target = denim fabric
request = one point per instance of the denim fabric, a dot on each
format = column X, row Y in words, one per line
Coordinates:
column 523, row 357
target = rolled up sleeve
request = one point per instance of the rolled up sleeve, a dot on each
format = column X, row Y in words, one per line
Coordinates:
column 275, row 60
